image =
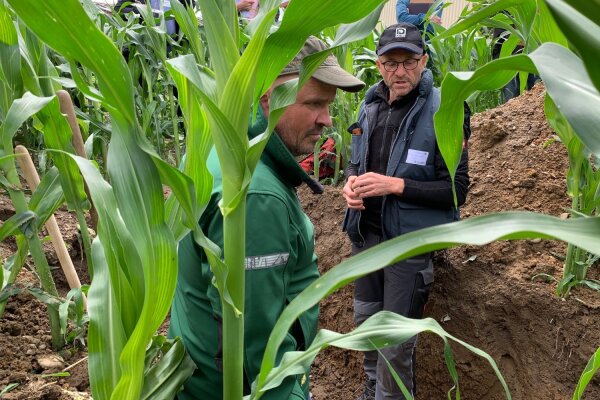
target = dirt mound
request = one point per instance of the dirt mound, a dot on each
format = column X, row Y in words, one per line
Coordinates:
column 484, row 295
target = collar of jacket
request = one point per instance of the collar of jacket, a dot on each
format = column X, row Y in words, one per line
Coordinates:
column 425, row 86
column 278, row 157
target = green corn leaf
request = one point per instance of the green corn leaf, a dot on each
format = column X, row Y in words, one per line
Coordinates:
column 8, row 291
column 198, row 143
column 29, row 61
column 580, row 22
column 397, row 378
column 295, row 27
column 63, row 309
column 237, row 96
column 588, row 373
column 164, row 377
column 381, row 330
column 189, row 25
column 218, row 121
column 217, row 266
column 20, row 111
column 221, row 43
column 123, row 260
column 456, row 88
column 347, row 33
column 17, row 224
column 58, row 135
column 474, row 18
column 281, row 97
column 545, row 28
column 107, row 336
column 569, row 85
column 10, row 57
column 14, row 263
column 140, row 200
column 567, row 82
column 285, row 94
column 47, row 197
column 582, row 232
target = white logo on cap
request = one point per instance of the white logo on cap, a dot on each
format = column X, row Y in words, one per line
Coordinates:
column 400, row 32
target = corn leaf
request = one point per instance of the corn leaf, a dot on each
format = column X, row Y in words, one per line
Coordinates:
column 588, row 373
column 167, row 374
column 20, row 111
column 582, row 232
column 107, row 334
column 545, row 28
column 47, row 197
column 65, row 26
column 295, row 27
column 58, row 135
column 189, row 25
column 580, row 22
column 199, row 139
column 485, row 12
column 17, row 223
column 569, row 85
column 567, row 82
column 222, row 44
column 10, row 58
column 456, row 88
column 380, row 330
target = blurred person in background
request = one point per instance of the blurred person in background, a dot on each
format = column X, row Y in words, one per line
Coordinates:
column 403, row 15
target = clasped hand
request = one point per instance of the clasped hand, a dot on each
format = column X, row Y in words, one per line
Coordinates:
column 370, row 184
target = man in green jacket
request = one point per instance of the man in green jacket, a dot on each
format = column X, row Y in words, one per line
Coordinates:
column 280, row 258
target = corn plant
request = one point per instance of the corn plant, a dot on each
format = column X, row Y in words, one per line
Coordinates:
column 22, row 68
column 570, row 85
column 586, row 376
column 134, row 252
column 583, row 186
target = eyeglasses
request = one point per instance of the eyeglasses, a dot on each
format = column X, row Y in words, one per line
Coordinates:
column 409, row 64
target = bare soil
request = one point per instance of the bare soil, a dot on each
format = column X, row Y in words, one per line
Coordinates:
column 482, row 295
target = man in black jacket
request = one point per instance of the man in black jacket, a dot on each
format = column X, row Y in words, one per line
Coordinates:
column 398, row 183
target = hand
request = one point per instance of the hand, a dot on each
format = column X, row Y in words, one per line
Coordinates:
column 284, row 4
column 435, row 19
column 244, row 5
column 372, row 184
column 353, row 201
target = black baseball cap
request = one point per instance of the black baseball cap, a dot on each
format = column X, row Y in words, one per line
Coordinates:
column 403, row 36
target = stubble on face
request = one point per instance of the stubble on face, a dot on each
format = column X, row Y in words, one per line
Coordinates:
column 302, row 124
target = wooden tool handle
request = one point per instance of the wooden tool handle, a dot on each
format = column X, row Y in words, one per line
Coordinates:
column 33, row 179
column 66, row 107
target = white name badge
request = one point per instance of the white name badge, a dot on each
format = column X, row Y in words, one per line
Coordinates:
column 417, row 157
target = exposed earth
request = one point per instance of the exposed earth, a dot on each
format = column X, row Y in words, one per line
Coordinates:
column 482, row 295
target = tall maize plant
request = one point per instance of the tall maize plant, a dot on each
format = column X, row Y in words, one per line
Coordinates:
column 135, row 250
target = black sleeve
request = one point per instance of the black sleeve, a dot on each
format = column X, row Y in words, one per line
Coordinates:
column 351, row 170
column 438, row 193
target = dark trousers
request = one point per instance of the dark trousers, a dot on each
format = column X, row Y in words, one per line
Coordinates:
column 402, row 288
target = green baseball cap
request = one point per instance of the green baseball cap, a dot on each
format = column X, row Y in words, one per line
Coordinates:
column 329, row 72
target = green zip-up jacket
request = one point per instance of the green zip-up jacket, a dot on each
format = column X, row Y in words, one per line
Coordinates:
column 280, row 263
